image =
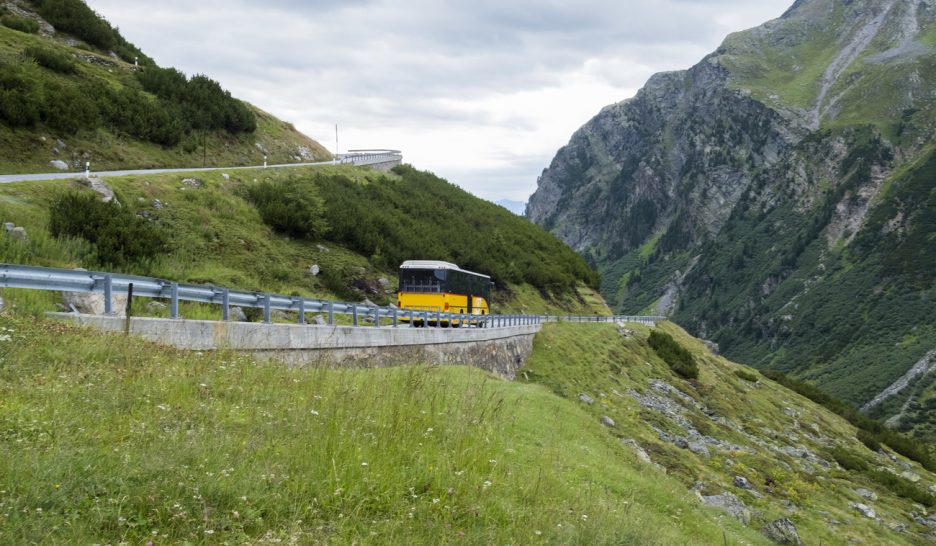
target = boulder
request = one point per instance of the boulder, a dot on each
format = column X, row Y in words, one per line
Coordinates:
column 193, row 183
column 8, row 226
column 88, row 303
column 237, row 314
column 640, row 451
column 314, row 270
column 731, row 504
column 58, row 164
column 383, row 282
column 19, row 234
column 699, row 448
column 586, row 399
column 782, row 531
column 866, row 494
column 607, row 421
column 99, row 186
column 863, row 509
column 743, row 483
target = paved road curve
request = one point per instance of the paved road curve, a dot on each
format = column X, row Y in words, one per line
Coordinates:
column 7, row 178
column 360, row 159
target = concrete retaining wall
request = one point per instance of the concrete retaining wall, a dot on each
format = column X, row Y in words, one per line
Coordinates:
column 499, row 350
column 383, row 167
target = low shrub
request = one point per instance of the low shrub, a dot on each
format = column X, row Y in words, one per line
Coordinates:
column 675, row 355
column 290, row 206
column 868, row 439
column 747, row 376
column 848, row 460
column 51, row 59
column 119, row 236
column 21, row 24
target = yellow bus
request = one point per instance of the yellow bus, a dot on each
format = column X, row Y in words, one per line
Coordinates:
column 443, row 287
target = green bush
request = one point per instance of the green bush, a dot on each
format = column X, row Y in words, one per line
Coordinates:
column 290, row 206
column 201, row 102
column 51, row 59
column 868, row 439
column 747, row 376
column 119, row 236
column 848, row 460
column 675, row 355
column 21, row 24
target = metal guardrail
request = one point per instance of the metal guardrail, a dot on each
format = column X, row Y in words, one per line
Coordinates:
column 111, row 284
column 370, row 158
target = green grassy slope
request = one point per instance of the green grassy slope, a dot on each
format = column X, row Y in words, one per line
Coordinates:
column 801, row 460
column 62, row 95
column 109, row 439
column 376, row 221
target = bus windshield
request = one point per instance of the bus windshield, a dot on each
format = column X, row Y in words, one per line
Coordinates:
column 423, row 280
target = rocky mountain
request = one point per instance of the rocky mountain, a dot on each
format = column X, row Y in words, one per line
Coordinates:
column 778, row 198
column 73, row 90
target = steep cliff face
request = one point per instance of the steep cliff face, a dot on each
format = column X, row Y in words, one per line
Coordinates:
column 777, row 197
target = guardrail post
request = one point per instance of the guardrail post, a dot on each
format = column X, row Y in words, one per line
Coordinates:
column 301, row 311
column 174, row 300
column 395, row 321
column 267, row 314
column 108, row 294
column 225, row 304
column 354, row 313
column 331, row 313
column 377, row 317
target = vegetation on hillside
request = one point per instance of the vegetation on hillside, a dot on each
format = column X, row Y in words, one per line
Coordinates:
column 76, row 18
column 76, row 103
column 421, row 215
column 118, row 237
column 263, row 229
column 677, row 357
column 871, row 433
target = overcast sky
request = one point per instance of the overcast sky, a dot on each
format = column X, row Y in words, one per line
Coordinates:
column 481, row 92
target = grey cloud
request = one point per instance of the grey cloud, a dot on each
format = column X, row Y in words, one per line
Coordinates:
column 427, row 65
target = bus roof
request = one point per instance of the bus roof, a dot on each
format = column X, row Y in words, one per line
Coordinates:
column 436, row 264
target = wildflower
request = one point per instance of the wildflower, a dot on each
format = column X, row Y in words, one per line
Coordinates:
column 584, row 517
column 537, row 533
column 486, row 484
column 363, row 464
column 313, row 412
column 209, row 531
column 493, row 461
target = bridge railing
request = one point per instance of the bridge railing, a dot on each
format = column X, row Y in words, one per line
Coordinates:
column 361, row 159
column 115, row 284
